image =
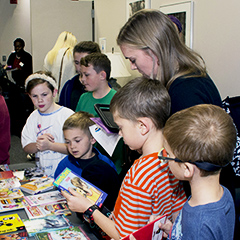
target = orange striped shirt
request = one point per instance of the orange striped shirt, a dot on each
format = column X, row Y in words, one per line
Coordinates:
column 149, row 188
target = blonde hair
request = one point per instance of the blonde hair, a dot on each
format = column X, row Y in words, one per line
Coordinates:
column 152, row 30
column 65, row 40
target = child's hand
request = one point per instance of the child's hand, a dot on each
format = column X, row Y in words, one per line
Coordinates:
column 44, row 142
column 166, row 227
column 76, row 202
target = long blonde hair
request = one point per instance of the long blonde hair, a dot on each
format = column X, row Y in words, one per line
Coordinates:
column 65, row 40
column 152, row 30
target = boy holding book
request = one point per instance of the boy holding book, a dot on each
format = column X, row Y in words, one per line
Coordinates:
column 86, row 160
column 140, row 109
column 200, row 141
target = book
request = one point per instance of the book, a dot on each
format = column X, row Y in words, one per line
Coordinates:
column 46, row 224
column 45, row 198
column 11, row 223
column 150, row 231
column 12, row 204
column 10, row 183
column 47, row 210
column 28, row 174
column 38, row 185
column 4, row 167
column 68, row 178
column 6, row 174
column 8, row 193
column 14, row 236
column 72, row 233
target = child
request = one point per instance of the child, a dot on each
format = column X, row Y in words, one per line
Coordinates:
column 95, row 68
column 42, row 133
column 140, row 109
column 73, row 88
column 86, row 160
column 200, row 141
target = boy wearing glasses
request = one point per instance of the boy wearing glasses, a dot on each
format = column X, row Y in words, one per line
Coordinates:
column 200, row 141
column 140, row 109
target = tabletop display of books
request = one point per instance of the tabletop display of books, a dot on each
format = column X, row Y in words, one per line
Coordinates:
column 46, row 211
column 69, row 178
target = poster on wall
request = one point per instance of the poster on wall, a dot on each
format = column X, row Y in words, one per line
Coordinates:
column 184, row 13
column 134, row 6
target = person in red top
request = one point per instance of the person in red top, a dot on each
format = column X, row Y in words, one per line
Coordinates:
column 5, row 139
column 140, row 109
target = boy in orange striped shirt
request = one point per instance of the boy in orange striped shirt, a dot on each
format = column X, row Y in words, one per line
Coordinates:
column 140, row 109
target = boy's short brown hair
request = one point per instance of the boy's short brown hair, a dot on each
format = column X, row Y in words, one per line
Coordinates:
column 202, row 133
column 99, row 61
column 142, row 97
column 79, row 120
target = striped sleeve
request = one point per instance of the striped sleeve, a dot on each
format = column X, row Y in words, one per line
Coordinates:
column 147, row 189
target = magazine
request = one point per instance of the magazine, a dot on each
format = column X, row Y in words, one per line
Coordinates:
column 45, row 198
column 10, row 183
column 12, row 204
column 38, row 185
column 69, row 178
column 28, row 174
column 150, row 231
column 10, row 223
column 6, row 174
column 7, row 193
column 15, row 236
column 72, row 233
column 46, row 224
column 4, row 167
column 47, row 210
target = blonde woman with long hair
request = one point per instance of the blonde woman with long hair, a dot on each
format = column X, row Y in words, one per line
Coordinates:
column 59, row 60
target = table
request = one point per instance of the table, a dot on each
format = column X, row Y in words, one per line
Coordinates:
column 74, row 220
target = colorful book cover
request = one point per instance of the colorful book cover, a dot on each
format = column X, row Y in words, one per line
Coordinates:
column 14, row 236
column 4, row 167
column 45, row 198
column 150, row 231
column 47, row 210
column 69, row 178
column 9, row 193
column 38, row 185
column 10, row 183
column 6, row 174
column 72, row 233
column 11, row 223
column 46, row 224
column 12, row 204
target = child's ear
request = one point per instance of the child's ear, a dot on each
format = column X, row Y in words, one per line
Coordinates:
column 92, row 140
column 188, row 170
column 144, row 125
column 103, row 75
column 55, row 91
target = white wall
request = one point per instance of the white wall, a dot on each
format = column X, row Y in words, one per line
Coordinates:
column 14, row 22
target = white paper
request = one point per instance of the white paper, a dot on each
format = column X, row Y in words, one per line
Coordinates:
column 107, row 140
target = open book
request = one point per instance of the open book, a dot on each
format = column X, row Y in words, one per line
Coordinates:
column 69, row 178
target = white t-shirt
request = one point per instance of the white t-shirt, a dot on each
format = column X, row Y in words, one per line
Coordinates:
column 38, row 124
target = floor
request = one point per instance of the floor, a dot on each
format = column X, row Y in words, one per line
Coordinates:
column 17, row 155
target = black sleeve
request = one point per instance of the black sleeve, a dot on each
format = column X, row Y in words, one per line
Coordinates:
column 106, row 178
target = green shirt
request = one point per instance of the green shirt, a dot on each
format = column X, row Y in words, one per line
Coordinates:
column 87, row 101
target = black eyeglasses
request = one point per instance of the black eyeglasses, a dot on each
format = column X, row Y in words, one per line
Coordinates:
column 210, row 167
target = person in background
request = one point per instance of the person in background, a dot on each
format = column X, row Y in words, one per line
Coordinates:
column 150, row 41
column 73, row 88
column 5, row 136
column 20, row 62
column 42, row 133
column 86, row 160
column 59, row 60
column 140, row 109
column 199, row 142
